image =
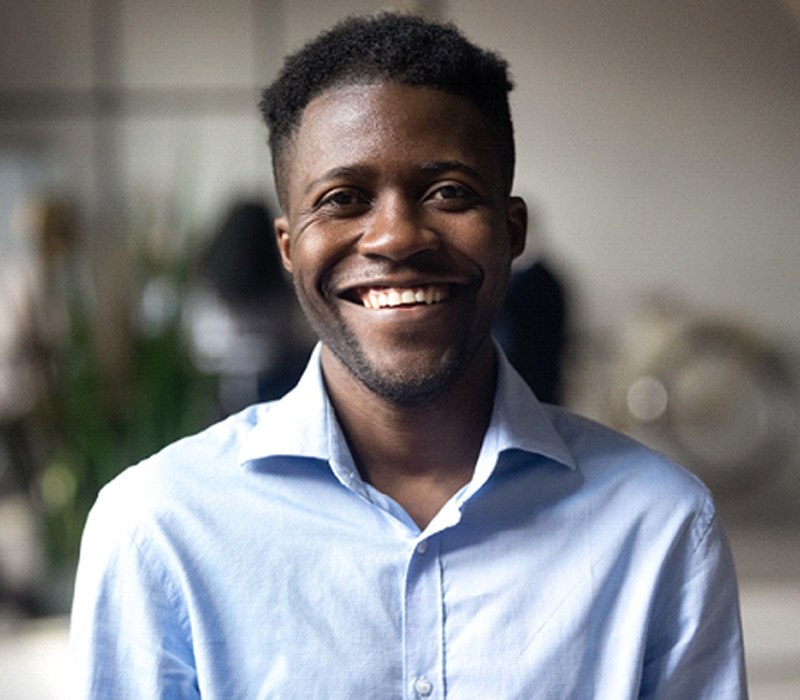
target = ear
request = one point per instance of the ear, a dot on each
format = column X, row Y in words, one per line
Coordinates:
column 517, row 224
column 284, row 243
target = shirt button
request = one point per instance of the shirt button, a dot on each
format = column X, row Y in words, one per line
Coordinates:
column 422, row 547
column 423, row 687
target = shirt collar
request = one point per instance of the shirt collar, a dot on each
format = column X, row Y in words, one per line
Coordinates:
column 520, row 422
column 297, row 424
column 303, row 424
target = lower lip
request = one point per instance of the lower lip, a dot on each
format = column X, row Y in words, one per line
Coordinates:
column 406, row 314
column 405, row 309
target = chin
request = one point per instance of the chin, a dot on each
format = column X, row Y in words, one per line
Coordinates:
column 406, row 382
column 416, row 391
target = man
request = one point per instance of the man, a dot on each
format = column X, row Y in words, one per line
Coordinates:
column 409, row 522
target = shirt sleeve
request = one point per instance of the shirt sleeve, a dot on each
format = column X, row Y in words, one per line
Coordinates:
column 129, row 634
column 695, row 647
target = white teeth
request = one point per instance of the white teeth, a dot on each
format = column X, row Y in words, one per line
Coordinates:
column 382, row 298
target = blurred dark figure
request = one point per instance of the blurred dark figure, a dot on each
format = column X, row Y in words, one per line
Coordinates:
column 248, row 330
column 242, row 259
column 532, row 328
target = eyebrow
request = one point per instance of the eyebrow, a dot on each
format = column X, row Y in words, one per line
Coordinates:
column 346, row 171
column 444, row 166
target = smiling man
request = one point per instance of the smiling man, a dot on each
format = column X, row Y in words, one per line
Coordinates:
column 409, row 521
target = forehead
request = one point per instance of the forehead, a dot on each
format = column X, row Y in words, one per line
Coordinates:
column 389, row 125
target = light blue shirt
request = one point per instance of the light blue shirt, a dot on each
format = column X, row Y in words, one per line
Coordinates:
column 251, row 561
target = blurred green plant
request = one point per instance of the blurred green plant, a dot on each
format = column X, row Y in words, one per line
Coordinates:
column 98, row 430
column 94, row 417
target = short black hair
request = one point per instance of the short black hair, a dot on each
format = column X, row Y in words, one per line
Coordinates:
column 389, row 47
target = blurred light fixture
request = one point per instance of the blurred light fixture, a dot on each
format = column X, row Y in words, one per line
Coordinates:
column 711, row 394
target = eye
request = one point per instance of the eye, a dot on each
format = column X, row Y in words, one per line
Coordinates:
column 343, row 201
column 452, row 196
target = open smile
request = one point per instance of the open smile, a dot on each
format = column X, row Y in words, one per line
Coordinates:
column 391, row 297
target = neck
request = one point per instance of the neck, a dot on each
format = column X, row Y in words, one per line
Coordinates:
column 418, row 455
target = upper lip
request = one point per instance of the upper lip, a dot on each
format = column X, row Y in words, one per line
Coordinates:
column 350, row 289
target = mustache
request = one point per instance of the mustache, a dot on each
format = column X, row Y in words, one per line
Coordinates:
column 423, row 266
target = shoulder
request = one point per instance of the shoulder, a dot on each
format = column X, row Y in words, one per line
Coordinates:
column 622, row 471
column 179, row 476
column 598, row 447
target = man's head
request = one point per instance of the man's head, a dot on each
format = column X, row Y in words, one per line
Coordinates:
column 388, row 48
column 398, row 226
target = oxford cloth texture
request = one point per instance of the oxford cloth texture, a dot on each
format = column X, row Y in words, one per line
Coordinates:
column 252, row 561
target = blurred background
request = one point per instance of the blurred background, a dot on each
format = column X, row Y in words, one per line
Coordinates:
column 140, row 297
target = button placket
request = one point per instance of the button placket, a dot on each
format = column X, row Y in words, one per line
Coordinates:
column 423, row 622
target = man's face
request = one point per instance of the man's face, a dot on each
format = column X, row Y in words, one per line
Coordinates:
column 398, row 233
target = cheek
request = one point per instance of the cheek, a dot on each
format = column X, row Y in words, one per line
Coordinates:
column 304, row 281
column 324, row 238
column 313, row 256
column 494, row 256
column 488, row 246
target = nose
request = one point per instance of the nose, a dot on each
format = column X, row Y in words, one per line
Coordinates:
column 395, row 231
